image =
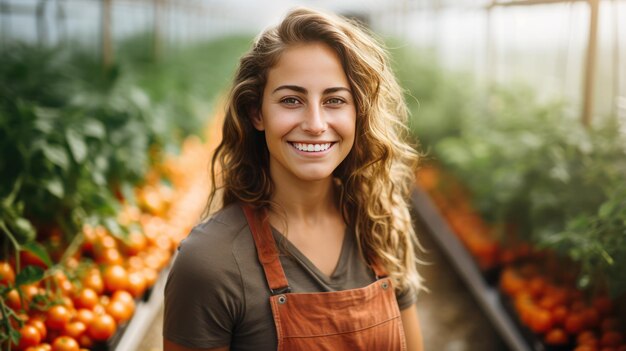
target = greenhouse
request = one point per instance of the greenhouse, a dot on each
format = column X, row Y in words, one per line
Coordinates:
column 474, row 156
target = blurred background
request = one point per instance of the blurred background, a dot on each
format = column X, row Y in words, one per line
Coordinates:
column 110, row 109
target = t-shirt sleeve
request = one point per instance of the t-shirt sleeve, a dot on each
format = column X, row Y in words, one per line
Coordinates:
column 203, row 293
column 406, row 297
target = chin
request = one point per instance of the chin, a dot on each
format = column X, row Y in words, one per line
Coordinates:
column 314, row 175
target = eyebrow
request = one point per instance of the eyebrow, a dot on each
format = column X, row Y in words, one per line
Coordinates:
column 302, row 90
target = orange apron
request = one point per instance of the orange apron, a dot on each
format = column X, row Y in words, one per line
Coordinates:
column 357, row 319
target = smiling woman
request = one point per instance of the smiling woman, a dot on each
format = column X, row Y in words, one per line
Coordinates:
column 313, row 247
column 307, row 114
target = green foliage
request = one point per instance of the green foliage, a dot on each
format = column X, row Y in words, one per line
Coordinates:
column 528, row 163
column 73, row 136
column 433, row 95
column 597, row 241
column 64, row 140
column 190, row 79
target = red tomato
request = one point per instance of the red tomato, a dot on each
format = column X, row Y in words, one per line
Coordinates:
column 115, row 278
column 119, row 311
column 559, row 314
column 75, row 329
column 136, row 283
column 85, row 341
column 40, row 325
column 93, row 280
column 110, row 256
column 540, row 321
column 57, row 317
column 28, row 258
column 84, row 315
column 65, row 343
column 574, row 323
column 124, row 296
column 87, row 298
column 556, row 337
column 13, row 300
column 102, row 327
column 136, row 243
column 29, row 336
column 7, row 274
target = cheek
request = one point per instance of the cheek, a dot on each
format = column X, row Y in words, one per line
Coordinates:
column 348, row 128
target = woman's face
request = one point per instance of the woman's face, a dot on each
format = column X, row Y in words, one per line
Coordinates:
column 308, row 114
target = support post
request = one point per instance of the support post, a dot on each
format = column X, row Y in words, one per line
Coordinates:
column 590, row 63
column 107, row 45
column 156, row 40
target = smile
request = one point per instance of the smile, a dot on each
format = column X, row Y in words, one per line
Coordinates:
column 305, row 147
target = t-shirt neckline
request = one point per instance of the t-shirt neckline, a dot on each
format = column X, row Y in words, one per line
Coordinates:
column 340, row 268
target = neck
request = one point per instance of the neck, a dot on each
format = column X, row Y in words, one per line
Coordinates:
column 306, row 202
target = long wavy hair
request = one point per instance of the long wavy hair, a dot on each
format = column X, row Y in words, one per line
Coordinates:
column 375, row 178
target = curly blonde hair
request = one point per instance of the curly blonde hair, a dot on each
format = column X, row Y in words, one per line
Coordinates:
column 377, row 174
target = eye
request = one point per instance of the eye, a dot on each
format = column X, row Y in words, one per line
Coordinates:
column 335, row 101
column 290, row 101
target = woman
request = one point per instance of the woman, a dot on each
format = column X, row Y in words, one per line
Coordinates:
column 313, row 246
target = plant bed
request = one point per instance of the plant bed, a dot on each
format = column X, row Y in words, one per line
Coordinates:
column 481, row 239
column 485, row 294
column 536, row 297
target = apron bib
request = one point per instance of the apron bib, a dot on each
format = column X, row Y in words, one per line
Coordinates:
column 366, row 318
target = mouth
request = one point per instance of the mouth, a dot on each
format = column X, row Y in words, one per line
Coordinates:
column 311, row 147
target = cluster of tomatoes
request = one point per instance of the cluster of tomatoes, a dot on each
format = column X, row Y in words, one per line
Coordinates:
column 84, row 301
column 551, row 307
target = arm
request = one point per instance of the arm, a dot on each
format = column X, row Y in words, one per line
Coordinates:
column 170, row 346
column 412, row 331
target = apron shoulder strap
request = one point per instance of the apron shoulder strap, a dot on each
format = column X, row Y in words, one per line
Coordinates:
column 266, row 249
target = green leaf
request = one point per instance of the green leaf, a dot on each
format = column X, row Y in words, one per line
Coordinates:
column 39, row 251
column 57, row 155
column 605, row 210
column 28, row 275
column 45, row 126
column 55, row 187
column 25, row 229
column 77, row 145
column 94, row 128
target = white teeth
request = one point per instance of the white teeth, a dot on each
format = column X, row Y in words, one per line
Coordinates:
column 311, row 147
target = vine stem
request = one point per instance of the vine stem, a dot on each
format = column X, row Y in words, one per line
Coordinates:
column 73, row 246
column 7, row 320
column 17, row 246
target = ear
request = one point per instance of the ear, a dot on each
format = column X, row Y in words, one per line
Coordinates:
column 257, row 119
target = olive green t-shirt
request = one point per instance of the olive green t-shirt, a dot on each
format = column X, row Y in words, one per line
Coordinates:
column 217, row 295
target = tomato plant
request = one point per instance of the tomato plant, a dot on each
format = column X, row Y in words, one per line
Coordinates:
column 80, row 158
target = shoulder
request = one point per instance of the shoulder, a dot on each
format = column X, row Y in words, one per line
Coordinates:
column 204, row 292
column 214, row 234
column 208, row 249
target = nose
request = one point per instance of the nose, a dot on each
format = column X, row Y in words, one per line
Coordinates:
column 314, row 122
